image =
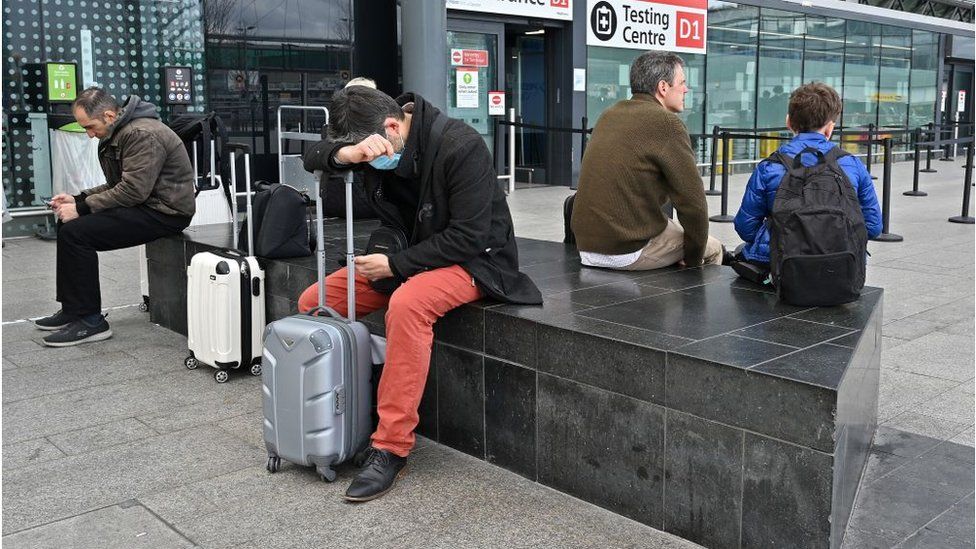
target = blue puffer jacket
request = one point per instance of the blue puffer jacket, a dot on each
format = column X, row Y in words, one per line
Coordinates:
column 757, row 203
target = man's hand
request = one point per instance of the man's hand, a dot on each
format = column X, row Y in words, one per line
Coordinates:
column 372, row 147
column 60, row 199
column 66, row 211
column 374, row 266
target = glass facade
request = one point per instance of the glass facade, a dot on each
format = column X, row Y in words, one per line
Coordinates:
column 886, row 75
column 121, row 45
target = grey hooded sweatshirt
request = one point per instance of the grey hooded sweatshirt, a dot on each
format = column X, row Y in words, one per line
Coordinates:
column 144, row 163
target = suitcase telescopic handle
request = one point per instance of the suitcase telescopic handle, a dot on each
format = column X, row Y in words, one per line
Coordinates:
column 233, row 147
column 320, row 246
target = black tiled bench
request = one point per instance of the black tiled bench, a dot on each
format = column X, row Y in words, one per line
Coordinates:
column 690, row 400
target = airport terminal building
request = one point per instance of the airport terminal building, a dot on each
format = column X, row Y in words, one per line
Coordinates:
column 557, row 63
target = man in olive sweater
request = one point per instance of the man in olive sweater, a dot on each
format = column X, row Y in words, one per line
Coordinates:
column 638, row 159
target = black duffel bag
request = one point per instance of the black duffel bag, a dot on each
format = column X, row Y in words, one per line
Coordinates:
column 282, row 222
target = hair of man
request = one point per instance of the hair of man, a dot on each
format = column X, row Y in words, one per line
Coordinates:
column 650, row 68
column 96, row 102
column 358, row 112
column 361, row 81
column 812, row 106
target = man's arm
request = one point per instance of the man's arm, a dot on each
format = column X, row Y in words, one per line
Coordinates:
column 142, row 160
column 470, row 182
column 752, row 212
column 687, row 192
column 321, row 157
column 868, row 198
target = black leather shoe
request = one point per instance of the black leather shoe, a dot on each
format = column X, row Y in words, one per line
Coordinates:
column 728, row 258
column 380, row 471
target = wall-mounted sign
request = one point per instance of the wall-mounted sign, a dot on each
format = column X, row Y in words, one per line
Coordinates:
column 466, row 93
column 177, row 85
column 668, row 25
column 961, row 101
column 62, row 82
column 539, row 9
column 469, row 58
column 87, row 58
column 496, row 103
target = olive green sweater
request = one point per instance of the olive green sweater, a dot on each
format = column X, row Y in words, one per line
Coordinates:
column 638, row 158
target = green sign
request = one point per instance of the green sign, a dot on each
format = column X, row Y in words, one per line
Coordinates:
column 62, row 82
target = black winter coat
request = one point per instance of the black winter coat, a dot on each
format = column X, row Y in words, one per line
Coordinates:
column 462, row 216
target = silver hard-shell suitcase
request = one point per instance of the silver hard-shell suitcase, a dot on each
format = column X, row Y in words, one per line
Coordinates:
column 316, row 377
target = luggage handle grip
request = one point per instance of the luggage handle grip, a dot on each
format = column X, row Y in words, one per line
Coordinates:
column 326, row 311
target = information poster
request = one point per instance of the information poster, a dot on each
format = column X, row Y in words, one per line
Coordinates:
column 178, row 83
column 496, row 103
column 62, row 82
column 467, row 88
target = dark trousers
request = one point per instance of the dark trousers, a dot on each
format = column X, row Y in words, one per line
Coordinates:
column 79, row 240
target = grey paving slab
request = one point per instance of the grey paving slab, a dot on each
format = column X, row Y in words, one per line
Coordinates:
column 914, row 422
column 900, row 391
column 106, row 435
column 955, row 404
column 72, row 485
column 910, row 328
column 29, row 452
column 935, row 354
column 966, row 437
column 45, row 378
column 126, row 526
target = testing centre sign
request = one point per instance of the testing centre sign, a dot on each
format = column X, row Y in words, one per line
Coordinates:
column 668, row 25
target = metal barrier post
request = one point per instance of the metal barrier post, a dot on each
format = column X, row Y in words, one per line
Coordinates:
column 886, row 236
column 870, row 149
column 918, row 160
column 711, row 176
column 928, row 150
column 966, row 189
column 724, row 217
column 946, row 156
column 583, row 140
column 511, row 151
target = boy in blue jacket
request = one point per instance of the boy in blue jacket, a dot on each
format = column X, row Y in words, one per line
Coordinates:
column 811, row 115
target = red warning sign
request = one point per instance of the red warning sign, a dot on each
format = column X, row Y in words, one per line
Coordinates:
column 469, row 58
column 496, row 103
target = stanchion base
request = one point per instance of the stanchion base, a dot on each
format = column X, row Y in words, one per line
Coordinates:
column 962, row 219
column 888, row 237
column 709, row 192
column 874, row 178
column 915, row 193
column 721, row 218
column 928, row 171
column 947, row 160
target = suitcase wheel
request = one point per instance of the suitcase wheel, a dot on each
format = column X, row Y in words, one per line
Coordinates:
column 274, row 464
column 256, row 369
column 144, row 306
column 190, row 363
column 328, row 474
column 221, row 376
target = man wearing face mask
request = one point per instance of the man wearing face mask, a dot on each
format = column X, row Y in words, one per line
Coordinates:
column 432, row 178
column 639, row 158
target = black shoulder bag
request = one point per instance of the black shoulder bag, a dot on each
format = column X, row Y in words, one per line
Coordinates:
column 389, row 240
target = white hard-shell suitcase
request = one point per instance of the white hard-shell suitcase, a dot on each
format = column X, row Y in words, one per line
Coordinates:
column 316, row 382
column 225, row 304
column 211, row 200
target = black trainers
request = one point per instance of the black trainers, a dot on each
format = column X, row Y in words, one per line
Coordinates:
column 57, row 321
column 79, row 332
column 379, row 472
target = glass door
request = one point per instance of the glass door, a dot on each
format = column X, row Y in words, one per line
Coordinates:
column 526, row 78
column 472, row 73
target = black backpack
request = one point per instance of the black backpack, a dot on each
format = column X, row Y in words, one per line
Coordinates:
column 282, row 223
column 817, row 238
column 200, row 129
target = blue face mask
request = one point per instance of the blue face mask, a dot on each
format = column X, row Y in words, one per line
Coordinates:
column 384, row 162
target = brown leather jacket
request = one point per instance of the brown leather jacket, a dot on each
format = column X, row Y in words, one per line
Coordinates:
column 144, row 163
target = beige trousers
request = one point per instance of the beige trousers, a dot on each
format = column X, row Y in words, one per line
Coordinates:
column 667, row 249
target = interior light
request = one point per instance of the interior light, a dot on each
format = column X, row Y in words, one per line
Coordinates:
column 540, row 31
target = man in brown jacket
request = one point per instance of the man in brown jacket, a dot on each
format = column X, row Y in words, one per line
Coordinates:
column 638, row 159
column 148, row 194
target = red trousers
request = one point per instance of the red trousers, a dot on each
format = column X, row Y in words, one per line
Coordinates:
column 412, row 310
